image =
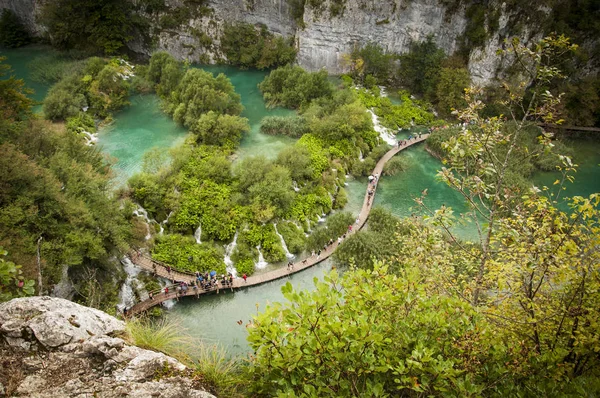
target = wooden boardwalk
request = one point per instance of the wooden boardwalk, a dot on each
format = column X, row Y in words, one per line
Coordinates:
column 160, row 269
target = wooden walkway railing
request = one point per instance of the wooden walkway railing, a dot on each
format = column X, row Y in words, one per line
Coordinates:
column 160, row 269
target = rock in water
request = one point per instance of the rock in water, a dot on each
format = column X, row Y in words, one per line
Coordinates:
column 51, row 347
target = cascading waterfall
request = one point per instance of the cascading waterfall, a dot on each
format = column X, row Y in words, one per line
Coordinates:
column 165, row 222
column 127, row 294
column 90, row 139
column 382, row 91
column 198, row 234
column 384, row 133
column 360, row 155
column 295, row 186
column 141, row 212
column 287, row 252
column 261, row 260
column 228, row 250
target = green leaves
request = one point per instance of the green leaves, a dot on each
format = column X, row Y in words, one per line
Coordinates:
column 354, row 336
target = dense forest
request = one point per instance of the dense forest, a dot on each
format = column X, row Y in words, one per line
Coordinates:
column 412, row 309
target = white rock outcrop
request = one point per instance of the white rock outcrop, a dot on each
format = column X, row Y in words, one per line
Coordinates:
column 57, row 348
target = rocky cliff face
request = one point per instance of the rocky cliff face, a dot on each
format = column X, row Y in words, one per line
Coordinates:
column 51, row 347
column 391, row 24
column 321, row 37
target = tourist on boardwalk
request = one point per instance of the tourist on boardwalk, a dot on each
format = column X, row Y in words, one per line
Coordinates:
column 150, row 296
column 167, row 290
column 168, row 269
column 245, row 277
column 319, row 254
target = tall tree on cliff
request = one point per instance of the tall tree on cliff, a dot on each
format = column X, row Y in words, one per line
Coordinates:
column 96, row 26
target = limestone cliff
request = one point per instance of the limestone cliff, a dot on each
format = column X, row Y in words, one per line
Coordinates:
column 325, row 30
column 51, row 347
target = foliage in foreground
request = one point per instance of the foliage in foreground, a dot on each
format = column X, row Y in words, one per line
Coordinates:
column 12, row 282
column 54, row 203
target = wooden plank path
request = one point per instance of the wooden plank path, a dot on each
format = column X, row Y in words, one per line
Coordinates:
column 160, row 269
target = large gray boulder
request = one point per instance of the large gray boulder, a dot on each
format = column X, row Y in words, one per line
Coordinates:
column 51, row 347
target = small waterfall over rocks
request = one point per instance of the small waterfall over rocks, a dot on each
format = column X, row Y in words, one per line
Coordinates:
column 295, row 186
column 384, row 133
column 141, row 212
column 261, row 260
column 287, row 252
column 228, row 250
column 90, row 139
column 127, row 292
column 165, row 222
column 360, row 155
column 198, row 234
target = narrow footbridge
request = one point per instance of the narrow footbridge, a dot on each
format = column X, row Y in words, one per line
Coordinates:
column 160, row 269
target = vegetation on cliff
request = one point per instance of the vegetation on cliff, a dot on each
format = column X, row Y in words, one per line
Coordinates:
column 55, row 204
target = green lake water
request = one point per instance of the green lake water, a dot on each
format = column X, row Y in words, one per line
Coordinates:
column 20, row 60
column 142, row 126
column 134, row 131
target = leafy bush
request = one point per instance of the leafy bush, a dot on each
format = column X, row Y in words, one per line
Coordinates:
column 199, row 92
column 221, row 130
column 294, row 126
column 420, row 67
column 293, row 87
column 335, row 226
column 245, row 266
column 12, row 282
column 183, row 253
column 246, row 46
column 89, row 25
column 271, row 245
column 165, row 72
column 293, row 236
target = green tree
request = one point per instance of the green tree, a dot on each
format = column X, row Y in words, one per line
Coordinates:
column 93, row 26
column 293, row 87
column 420, row 67
column 12, row 32
column 366, row 334
column 222, row 130
column 450, row 89
column 200, row 92
column 14, row 103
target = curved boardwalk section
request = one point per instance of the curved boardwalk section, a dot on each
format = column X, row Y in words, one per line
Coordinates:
column 161, row 269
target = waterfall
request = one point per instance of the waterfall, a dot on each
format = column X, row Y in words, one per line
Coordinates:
column 141, row 212
column 165, row 222
column 287, row 252
column 90, row 139
column 321, row 218
column 382, row 91
column 198, row 234
column 295, row 185
column 127, row 294
column 384, row 133
column 228, row 250
column 261, row 260
column 360, row 155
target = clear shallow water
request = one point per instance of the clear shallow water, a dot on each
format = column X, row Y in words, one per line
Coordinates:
column 214, row 318
column 587, row 177
column 246, row 84
column 135, row 130
column 19, row 60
